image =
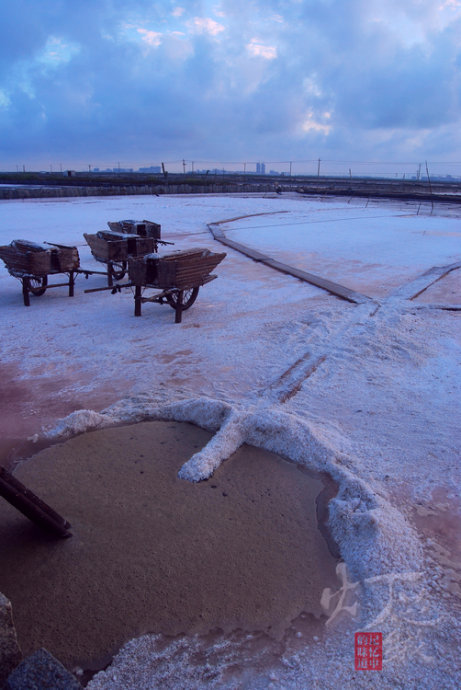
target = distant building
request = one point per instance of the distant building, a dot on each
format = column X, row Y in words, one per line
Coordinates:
column 151, row 169
column 261, row 168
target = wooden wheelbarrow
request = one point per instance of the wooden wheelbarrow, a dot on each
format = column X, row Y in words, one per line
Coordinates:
column 176, row 278
column 178, row 275
column 125, row 239
column 32, row 263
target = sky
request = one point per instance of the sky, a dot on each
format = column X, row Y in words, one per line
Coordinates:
column 358, row 84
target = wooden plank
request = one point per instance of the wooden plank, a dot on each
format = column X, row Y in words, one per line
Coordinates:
column 144, row 228
column 188, row 268
column 22, row 261
column 243, row 249
column 32, row 506
column 25, row 292
column 137, row 301
column 178, row 310
column 216, row 232
column 65, row 257
column 329, row 285
column 416, row 287
column 105, row 251
column 443, row 307
column 114, row 288
column 190, row 254
column 198, row 267
column 14, row 260
column 318, row 281
column 138, row 246
column 68, row 259
column 139, row 271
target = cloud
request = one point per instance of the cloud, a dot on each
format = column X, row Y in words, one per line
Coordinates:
column 152, row 38
column 311, row 124
column 5, row 101
column 205, row 25
column 147, row 80
column 57, row 51
column 259, row 49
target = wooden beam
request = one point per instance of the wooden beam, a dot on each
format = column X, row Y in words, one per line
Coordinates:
column 329, row 285
column 31, row 506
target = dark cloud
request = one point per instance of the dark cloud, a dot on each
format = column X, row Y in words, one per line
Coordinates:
column 143, row 81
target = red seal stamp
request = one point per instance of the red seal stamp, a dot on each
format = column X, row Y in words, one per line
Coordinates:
column 368, row 651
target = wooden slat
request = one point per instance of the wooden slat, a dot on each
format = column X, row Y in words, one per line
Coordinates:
column 13, row 259
column 37, row 262
column 104, row 250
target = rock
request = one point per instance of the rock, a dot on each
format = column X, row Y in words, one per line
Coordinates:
column 41, row 671
column 10, row 653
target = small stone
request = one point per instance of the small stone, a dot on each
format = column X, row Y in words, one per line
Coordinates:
column 41, row 670
column 10, row 653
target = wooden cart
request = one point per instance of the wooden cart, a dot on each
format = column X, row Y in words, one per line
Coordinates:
column 32, row 263
column 125, row 239
column 178, row 276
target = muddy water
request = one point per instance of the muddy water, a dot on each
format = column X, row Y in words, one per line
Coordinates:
column 152, row 553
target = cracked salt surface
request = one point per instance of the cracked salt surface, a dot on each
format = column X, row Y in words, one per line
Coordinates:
column 369, row 396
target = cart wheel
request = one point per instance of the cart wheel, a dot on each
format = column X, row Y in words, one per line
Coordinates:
column 38, row 285
column 118, row 269
column 188, row 298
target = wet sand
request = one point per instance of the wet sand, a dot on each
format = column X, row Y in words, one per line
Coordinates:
column 153, row 553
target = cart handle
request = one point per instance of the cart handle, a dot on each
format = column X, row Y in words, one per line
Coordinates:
column 113, row 288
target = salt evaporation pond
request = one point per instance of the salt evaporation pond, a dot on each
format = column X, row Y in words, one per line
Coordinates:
column 152, row 553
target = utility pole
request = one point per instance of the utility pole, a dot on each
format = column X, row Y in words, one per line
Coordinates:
column 184, row 166
column 318, row 168
column 290, row 167
column 430, row 185
column 428, row 178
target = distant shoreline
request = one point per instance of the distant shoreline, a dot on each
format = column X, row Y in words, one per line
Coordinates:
column 48, row 185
